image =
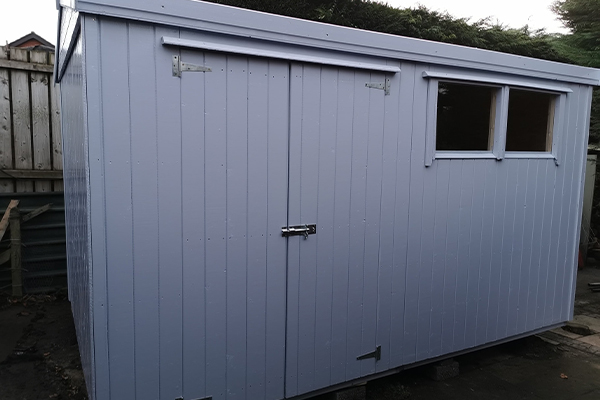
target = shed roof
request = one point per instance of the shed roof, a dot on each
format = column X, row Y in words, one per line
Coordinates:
column 219, row 18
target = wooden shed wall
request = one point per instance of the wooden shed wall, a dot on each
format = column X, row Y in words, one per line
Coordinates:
column 77, row 208
column 474, row 252
column 30, row 135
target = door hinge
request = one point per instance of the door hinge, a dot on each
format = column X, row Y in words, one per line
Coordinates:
column 179, row 66
column 374, row 354
column 299, row 230
column 382, row 86
column 203, row 398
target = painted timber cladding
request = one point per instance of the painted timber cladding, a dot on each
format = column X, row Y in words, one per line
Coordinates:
column 75, row 148
column 195, row 291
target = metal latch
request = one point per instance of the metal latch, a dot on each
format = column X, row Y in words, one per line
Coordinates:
column 374, row 354
column 299, row 230
column 179, row 66
column 382, row 86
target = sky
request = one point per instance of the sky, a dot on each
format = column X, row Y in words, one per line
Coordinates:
column 20, row 17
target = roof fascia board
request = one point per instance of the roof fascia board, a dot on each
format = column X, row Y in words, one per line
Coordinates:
column 270, row 27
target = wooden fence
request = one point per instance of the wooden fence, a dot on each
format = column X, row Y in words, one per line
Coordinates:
column 30, row 138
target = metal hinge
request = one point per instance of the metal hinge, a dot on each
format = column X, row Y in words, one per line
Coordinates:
column 382, row 86
column 374, row 354
column 203, row 398
column 179, row 66
column 299, row 230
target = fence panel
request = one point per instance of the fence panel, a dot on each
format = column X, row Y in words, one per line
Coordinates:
column 30, row 137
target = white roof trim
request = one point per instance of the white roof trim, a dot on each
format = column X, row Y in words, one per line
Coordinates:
column 246, row 23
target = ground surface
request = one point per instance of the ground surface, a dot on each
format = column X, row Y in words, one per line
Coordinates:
column 39, row 359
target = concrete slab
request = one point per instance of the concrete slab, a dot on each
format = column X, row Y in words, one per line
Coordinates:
column 567, row 334
column 594, row 340
column 591, row 322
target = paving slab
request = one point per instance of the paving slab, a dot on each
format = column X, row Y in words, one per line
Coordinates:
column 591, row 322
column 567, row 334
column 594, row 340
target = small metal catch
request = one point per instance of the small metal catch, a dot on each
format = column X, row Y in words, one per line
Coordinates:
column 299, row 230
column 179, row 66
column 374, row 354
column 382, row 86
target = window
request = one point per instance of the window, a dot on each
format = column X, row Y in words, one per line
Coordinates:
column 481, row 117
column 530, row 121
column 464, row 117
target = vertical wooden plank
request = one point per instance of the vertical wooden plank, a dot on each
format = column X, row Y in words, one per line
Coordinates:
column 341, row 239
column 536, row 249
column 308, row 179
column 373, row 222
column 168, row 107
column 487, row 242
column 516, row 276
column 258, row 223
column 385, row 306
column 464, row 248
column 215, row 189
column 193, row 209
column 478, row 229
column 505, row 314
column 237, row 229
column 21, row 116
column 15, row 252
column 426, row 294
column 6, row 151
column 451, row 268
column 325, row 201
column 357, row 222
column 525, row 263
column 417, row 172
column 276, row 255
column 40, row 115
column 499, row 211
column 117, row 172
column 403, row 166
column 95, row 127
column 144, row 199
column 438, row 262
column 293, row 276
column 57, row 162
column 547, row 219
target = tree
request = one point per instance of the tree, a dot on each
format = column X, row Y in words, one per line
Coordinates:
column 582, row 46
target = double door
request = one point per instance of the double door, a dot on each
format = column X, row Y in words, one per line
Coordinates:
column 288, row 145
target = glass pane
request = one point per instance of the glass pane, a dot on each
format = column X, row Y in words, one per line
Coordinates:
column 464, row 117
column 530, row 121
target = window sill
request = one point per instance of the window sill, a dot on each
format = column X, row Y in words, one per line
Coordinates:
column 527, row 154
column 440, row 155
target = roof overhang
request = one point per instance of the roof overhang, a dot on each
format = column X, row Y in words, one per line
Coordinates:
column 228, row 20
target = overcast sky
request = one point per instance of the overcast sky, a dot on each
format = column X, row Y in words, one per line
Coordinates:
column 19, row 17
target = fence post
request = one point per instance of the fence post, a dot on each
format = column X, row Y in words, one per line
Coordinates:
column 15, row 252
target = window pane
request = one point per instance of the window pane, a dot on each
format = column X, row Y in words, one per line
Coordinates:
column 530, row 121
column 464, row 117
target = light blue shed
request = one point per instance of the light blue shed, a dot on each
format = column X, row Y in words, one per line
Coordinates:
column 260, row 207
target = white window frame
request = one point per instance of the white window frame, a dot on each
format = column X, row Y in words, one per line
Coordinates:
column 500, row 118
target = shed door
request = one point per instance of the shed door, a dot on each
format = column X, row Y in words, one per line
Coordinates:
column 335, row 182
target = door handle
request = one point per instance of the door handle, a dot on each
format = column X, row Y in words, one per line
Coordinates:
column 299, row 230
